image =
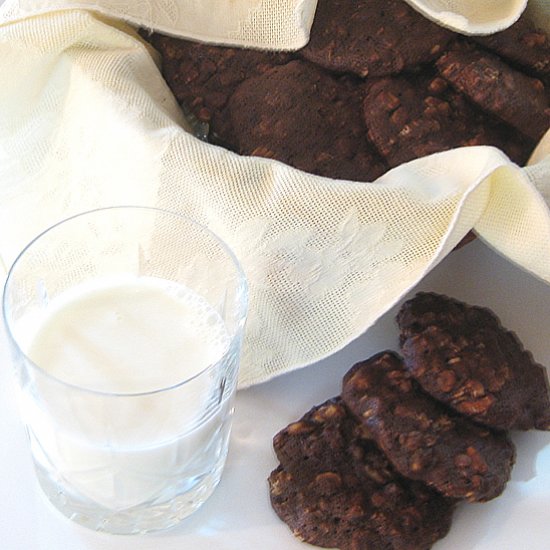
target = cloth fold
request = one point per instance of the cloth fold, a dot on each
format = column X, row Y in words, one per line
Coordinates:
column 86, row 120
column 267, row 24
column 468, row 17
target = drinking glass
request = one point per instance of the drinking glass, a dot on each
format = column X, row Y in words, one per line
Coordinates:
column 144, row 451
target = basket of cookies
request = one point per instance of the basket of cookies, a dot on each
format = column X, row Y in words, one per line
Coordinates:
column 376, row 86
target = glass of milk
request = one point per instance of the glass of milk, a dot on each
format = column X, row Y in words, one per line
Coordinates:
column 126, row 326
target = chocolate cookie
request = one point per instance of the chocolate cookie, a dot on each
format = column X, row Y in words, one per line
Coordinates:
column 372, row 37
column 202, row 77
column 522, row 44
column 497, row 88
column 298, row 114
column 412, row 116
column 324, row 513
column 334, row 488
column 462, row 355
column 422, row 439
column 317, row 442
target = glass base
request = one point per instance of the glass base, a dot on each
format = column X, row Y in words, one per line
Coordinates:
column 145, row 518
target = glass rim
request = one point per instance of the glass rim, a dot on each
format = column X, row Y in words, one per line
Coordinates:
column 242, row 285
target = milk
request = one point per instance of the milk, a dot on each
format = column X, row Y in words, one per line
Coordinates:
column 127, row 335
column 118, row 440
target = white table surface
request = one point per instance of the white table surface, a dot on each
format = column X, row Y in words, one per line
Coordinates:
column 238, row 516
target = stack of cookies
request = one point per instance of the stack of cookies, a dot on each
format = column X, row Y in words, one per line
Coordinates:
column 377, row 85
column 383, row 465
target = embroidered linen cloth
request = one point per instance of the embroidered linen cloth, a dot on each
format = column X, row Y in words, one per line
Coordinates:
column 86, row 120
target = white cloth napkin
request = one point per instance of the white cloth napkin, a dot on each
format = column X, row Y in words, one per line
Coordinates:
column 472, row 16
column 86, row 120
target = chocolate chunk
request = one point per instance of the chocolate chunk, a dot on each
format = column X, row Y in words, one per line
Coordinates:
column 422, row 439
column 298, row 114
column 463, row 356
column 372, row 37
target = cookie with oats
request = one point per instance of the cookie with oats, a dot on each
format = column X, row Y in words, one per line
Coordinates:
column 523, row 44
column 304, row 117
column 324, row 512
column 411, row 116
column 496, row 88
column 423, row 439
column 334, row 488
column 203, row 76
column 464, row 357
column 372, row 37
